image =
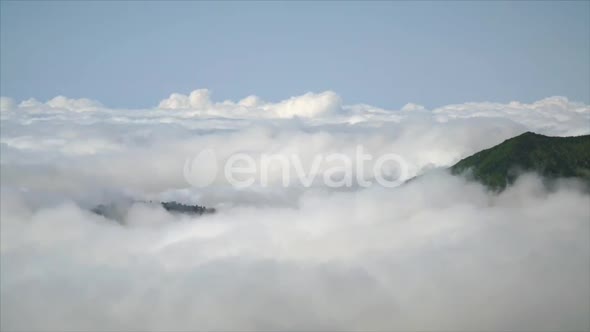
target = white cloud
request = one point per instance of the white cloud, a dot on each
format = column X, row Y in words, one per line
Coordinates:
column 554, row 115
column 550, row 116
column 425, row 256
column 59, row 103
column 30, row 103
column 73, row 104
column 250, row 101
column 198, row 99
column 411, row 107
column 308, row 105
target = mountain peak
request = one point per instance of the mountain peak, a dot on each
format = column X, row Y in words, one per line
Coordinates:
column 551, row 157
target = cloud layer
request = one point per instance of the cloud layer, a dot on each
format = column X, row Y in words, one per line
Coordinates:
column 438, row 253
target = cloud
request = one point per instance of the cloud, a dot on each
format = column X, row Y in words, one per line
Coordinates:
column 554, row 115
column 410, row 107
column 437, row 253
column 197, row 99
column 59, row 103
column 425, row 257
column 73, row 104
column 308, row 105
column 112, row 147
column 251, row 101
column 549, row 116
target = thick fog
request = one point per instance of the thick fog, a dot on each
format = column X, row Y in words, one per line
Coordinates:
column 437, row 253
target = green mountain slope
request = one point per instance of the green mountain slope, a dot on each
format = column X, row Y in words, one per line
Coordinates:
column 551, row 157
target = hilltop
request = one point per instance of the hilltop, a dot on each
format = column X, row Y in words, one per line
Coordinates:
column 550, row 157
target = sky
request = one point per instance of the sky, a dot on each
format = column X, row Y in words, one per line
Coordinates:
column 144, row 102
column 132, row 54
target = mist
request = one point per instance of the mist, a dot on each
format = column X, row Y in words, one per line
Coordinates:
column 439, row 252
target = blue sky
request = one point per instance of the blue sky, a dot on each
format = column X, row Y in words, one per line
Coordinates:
column 132, row 54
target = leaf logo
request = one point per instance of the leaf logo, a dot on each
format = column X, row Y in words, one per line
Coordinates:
column 202, row 169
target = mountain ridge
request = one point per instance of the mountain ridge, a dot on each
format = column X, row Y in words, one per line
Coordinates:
column 550, row 157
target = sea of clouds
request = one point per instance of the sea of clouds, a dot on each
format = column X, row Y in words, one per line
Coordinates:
column 438, row 253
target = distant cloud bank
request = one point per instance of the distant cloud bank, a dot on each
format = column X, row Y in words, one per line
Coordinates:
column 553, row 115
